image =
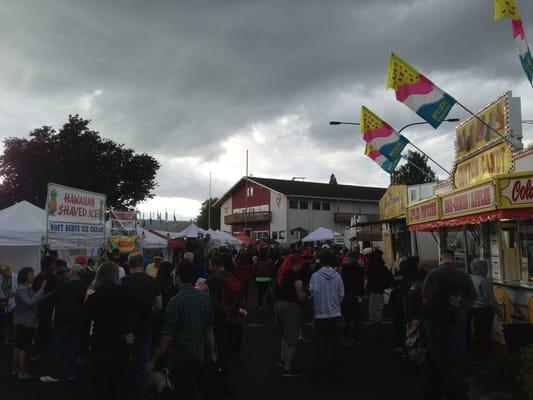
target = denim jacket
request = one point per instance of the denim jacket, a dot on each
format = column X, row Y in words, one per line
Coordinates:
column 26, row 301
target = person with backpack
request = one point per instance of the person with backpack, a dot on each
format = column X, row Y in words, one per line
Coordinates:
column 243, row 272
column 444, row 377
column 291, row 294
column 327, row 290
column 379, row 279
column 483, row 309
column 263, row 271
column 352, row 277
column 227, row 294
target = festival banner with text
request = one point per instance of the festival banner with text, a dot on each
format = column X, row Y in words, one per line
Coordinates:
column 75, row 218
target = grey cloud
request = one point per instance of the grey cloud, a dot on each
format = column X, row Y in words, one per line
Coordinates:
column 178, row 78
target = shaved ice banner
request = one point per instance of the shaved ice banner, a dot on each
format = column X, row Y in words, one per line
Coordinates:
column 75, row 218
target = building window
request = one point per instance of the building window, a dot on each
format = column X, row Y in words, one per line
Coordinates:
column 325, row 206
column 316, row 205
column 281, row 235
column 304, row 205
column 249, row 192
column 258, row 235
column 293, row 204
column 274, row 235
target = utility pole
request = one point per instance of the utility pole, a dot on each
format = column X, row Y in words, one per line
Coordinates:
column 246, row 195
column 209, row 205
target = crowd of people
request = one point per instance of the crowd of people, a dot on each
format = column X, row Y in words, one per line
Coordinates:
column 172, row 328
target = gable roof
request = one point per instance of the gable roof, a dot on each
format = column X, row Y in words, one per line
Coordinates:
column 292, row 188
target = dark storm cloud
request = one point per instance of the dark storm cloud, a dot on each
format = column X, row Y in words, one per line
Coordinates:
column 179, row 78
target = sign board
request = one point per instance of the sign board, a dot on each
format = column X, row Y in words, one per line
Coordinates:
column 495, row 160
column 75, row 218
column 393, row 202
column 124, row 234
column 124, row 244
column 516, row 191
column 424, row 211
column 123, row 223
column 473, row 200
column 473, row 135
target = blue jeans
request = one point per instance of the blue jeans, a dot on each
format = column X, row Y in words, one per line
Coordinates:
column 65, row 346
column 143, row 341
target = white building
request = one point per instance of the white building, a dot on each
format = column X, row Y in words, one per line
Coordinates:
column 286, row 210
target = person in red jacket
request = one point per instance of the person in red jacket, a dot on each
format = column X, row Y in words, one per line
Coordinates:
column 243, row 272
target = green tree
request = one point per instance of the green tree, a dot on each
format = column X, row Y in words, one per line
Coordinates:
column 74, row 156
column 202, row 218
column 409, row 174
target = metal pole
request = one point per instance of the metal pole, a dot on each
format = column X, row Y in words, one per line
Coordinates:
column 416, row 166
column 246, row 195
column 436, row 163
column 209, row 205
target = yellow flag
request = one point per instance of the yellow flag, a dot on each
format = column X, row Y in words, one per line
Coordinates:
column 368, row 149
column 400, row 73
column 369, row 120
column 505, row 9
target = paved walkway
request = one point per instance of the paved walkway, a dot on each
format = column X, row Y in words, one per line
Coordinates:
column 372, row 371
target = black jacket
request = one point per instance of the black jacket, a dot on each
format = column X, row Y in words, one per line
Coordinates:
column 352, row 277
column 68, row 300
column 379, row 277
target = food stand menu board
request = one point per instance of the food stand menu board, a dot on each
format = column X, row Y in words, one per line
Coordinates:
column 75, row 218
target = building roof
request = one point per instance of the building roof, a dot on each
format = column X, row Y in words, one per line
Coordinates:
column 292, row 188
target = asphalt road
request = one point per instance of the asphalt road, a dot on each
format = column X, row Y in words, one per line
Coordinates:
column 371, row 371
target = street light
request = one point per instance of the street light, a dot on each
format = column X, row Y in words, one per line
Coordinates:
column 406, row 126
column 401, row 129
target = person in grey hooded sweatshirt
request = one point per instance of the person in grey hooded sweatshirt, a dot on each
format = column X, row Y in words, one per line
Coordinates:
column 327, row 290
column 483, row 308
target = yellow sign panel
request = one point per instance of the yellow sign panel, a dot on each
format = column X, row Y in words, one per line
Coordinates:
column 124, row 244
column 394, row 202
column 423, row 211
column 472, row 134
column 388, row 254
column 516, row 191
column 493, row 161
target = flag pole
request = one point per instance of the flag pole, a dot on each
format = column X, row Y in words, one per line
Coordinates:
column 484, row 123
column 429, row 158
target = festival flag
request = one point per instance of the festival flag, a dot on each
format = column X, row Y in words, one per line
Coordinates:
column 387, row 165
column 508, row 9
column 381, row 136
column 417, row 92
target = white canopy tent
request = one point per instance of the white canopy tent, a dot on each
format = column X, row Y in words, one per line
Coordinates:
column 151, row 241
column 22, row 229
column 223, row 238
column 192, row 231
column 321, row 234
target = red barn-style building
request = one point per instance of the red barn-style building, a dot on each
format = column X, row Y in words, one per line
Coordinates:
column 287, row 210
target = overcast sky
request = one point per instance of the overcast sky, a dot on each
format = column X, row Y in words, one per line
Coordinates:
column 197, row 83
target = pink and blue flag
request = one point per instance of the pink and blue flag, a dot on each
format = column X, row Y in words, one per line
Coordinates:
column 381, row 136
column 417, row 92
column 387, row 165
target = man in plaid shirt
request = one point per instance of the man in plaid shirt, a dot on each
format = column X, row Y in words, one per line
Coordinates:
column 188, row 327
